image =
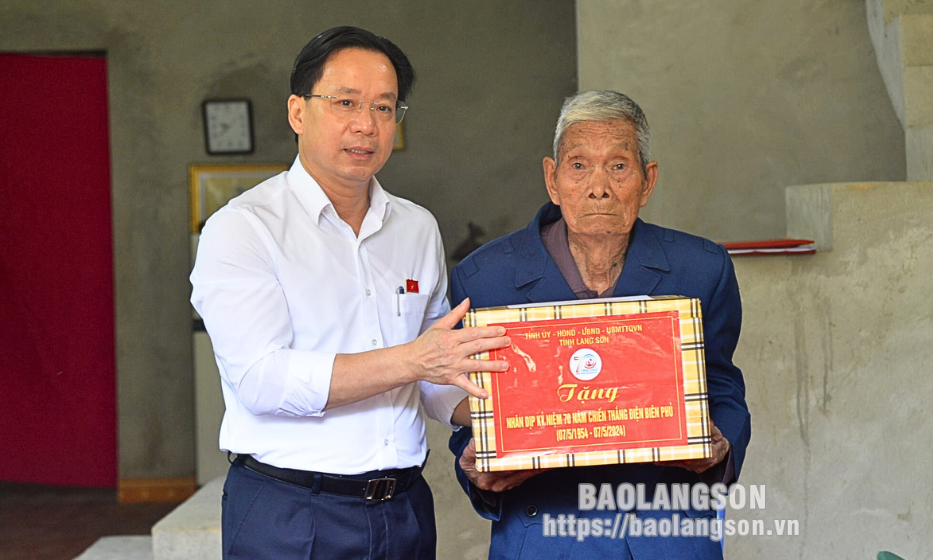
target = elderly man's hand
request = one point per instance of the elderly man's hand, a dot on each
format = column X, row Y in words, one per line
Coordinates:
column 721, row 448
column 441, row 355
column 492, row 481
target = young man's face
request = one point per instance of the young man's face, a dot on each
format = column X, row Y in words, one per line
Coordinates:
column 343, row 151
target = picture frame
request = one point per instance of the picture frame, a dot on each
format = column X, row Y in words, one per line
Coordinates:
column 399, row 138
column 211, row 186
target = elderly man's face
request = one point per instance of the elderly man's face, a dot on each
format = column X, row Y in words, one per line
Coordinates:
column 598, row 182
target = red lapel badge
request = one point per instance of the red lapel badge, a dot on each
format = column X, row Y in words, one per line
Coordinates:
column 411, row 286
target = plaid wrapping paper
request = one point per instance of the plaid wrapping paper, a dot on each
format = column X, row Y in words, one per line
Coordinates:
column 694, row 384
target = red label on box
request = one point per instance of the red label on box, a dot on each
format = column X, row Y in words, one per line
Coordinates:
column 590, row 383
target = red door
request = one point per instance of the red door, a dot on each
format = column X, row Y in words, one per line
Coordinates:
column 57, row 364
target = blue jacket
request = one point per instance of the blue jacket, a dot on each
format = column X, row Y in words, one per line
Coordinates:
column 517, row 269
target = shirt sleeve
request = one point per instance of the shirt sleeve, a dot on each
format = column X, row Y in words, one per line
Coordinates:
column 486, row 503
column 722, row 323
column 439, row 401
column 723, row 473
column 237, row 293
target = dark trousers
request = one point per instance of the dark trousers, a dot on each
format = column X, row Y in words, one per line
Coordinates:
column 265, row 518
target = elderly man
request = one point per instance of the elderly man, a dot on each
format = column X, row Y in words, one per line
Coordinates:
column 589, row 243
column 319, row 291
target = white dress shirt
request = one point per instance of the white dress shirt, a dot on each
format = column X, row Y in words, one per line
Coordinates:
column 283, row 285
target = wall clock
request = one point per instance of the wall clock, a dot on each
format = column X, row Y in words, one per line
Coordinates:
column 228, row 126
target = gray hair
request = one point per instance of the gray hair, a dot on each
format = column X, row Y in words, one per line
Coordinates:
column 603, row 106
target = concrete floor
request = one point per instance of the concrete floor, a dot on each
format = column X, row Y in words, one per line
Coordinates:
column 55, row 523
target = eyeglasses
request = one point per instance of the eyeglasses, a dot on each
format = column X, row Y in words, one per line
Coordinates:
column 344, row 107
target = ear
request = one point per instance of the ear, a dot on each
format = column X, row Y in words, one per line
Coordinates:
column 296, row 113
column 651, row 178
column 550, row 170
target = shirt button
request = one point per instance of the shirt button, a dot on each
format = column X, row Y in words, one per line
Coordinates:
column 368, row 293
column 531, row 511
column 374, row 342
column 385, row 441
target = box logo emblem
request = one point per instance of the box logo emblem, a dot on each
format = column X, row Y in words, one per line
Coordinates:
column 585, row 364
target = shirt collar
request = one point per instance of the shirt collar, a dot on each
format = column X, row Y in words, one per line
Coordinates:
column 314, row 200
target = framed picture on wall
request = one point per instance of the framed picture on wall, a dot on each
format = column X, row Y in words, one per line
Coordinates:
column 210, row 186
column 399, row 138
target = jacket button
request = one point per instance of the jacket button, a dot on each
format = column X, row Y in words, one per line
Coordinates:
column 531, row 511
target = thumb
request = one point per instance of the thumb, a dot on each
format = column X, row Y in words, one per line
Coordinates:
column 456, row 315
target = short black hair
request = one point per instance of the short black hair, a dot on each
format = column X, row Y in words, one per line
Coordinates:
column 309, row 66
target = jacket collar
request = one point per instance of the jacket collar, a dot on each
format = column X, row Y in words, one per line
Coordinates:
column 644, row 261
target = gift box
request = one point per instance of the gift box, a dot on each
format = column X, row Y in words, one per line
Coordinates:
column 594, row 382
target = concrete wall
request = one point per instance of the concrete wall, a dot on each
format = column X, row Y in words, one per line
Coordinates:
column 744, row 99
column 836, row 349
column 902, row 32
column 492, row 77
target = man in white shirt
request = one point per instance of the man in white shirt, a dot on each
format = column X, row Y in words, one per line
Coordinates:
column 325, row 300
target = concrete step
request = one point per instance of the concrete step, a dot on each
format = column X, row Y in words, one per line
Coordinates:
column 192, row 530
column 119, row 548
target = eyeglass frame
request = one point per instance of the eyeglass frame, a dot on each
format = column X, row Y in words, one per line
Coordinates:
column 400, row 106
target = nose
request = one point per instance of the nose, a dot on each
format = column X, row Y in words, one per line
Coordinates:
column 364, row 121
column 599, row 184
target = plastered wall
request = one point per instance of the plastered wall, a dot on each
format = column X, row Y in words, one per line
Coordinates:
column 835, row 349
column 492, row 76
column 745, row 99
